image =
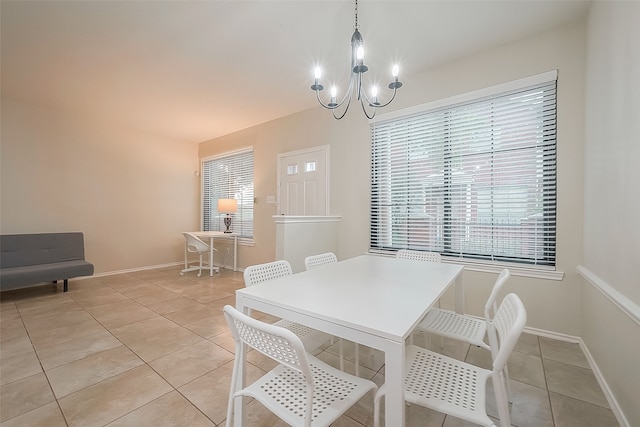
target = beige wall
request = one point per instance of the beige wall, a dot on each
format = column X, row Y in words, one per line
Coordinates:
column 611, row 326
column 348, row 188
column 131, row 193
column 612, row 199
column 551, row 303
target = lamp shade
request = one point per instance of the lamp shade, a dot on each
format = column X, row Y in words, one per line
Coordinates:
column 227, row 205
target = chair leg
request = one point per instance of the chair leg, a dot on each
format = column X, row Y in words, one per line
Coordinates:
column 200, row 271
column 502, row 399
column 357, row 358
column 228, row 421
column 341, row 350
column 376, row 406
column 507, row 385
column 230, row 402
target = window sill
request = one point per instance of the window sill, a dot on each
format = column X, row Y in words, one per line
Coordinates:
column 536, row 272
column 539, row 272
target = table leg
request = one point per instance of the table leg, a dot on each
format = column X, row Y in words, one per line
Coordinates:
column 186, row 258
column 394, row 383
column 235, row 253
column 211, row 256
column 186, row 255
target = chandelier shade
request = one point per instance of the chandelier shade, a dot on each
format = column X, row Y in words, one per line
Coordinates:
column 369, row 103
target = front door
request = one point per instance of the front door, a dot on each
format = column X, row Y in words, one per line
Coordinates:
column 303, row 182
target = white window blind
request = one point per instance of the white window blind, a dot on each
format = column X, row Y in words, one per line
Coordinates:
column 474, row 180
column 229, row 176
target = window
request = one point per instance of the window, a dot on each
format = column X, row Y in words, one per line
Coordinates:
column 474, row 179
column 229, row 176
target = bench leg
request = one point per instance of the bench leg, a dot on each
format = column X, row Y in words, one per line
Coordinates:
column 65, row 288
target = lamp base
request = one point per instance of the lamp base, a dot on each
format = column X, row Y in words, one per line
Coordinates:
column 227, row 222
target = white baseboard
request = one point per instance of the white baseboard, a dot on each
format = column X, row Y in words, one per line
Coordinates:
column 553, row 335
column 133, row 270
column 152, row 267
column 613, row 403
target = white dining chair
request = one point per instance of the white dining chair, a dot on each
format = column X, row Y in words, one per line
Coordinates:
column 301, row 390
column 458, row 388
column 315, row 261
column 465, row 328
column 196, row 245
column 418, row 255
column 260, row 273
column 413, row 255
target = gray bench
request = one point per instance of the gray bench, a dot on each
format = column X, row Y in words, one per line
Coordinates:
column 30, row 259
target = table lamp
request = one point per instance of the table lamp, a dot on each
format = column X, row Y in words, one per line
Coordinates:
column 227, row 206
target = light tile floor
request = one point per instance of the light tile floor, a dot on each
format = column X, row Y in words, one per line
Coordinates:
column 152, row 348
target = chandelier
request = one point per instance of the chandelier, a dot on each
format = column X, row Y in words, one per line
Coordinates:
column 355, row 81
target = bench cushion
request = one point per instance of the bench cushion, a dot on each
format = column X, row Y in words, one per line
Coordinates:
column 15, row 277
column 45, row 248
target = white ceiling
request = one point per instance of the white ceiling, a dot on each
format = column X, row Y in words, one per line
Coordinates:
column 196, row 70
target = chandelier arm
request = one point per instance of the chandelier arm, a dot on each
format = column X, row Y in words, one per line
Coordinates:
column 388, row 102
column 343, row 113
column 327, row 106
column 320, row 101
column 371, row 104
column 347, row 96
column 364, row 110
column 366, row 98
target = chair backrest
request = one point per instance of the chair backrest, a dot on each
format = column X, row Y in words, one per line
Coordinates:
column 491, row 306
column 275, row 342
column 260, row 273
column 195, row 244
column 315, row 261
column 505, row 329
column 418, row 255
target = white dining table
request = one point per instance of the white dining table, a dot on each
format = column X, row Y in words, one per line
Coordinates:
column 212, row 235
column 372, row 300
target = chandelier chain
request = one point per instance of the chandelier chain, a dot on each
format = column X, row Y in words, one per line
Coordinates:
column 356, row 26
